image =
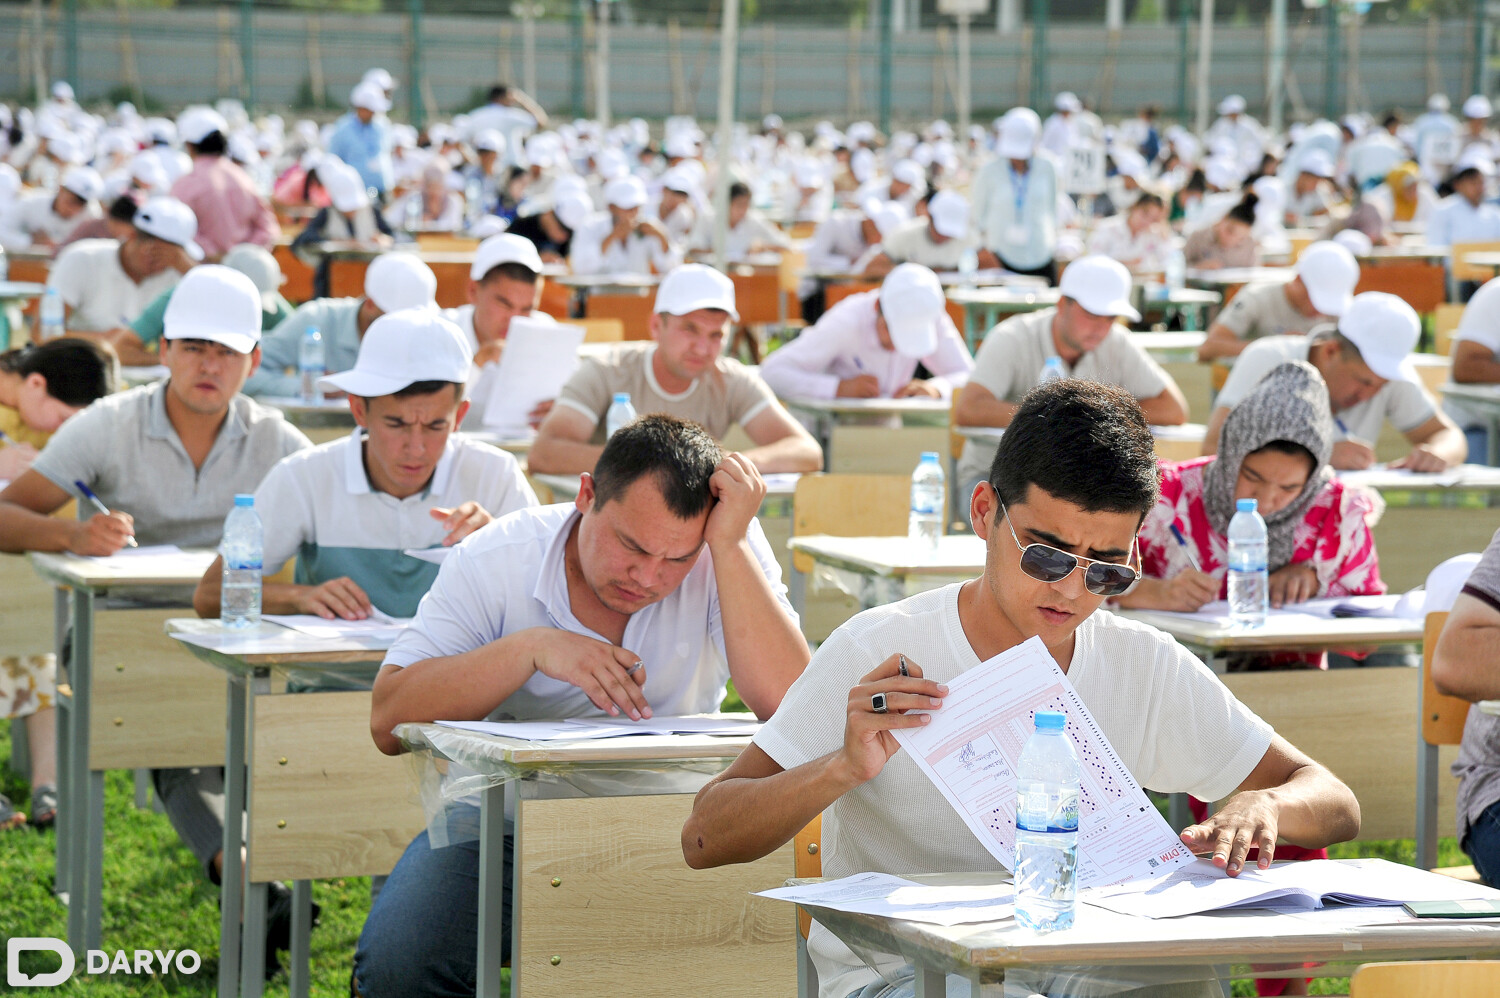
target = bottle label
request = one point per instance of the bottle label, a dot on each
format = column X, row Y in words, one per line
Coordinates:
column 243, row 565
column 1039, row 811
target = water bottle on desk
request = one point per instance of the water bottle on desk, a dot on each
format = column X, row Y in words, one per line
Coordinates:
column 244, row 539
column 52, row 317
column 1048, row 783
column 1249, row 586
column 1175, row 269
column 4, row 265
column 1052, row 371
column 413, row 212
column 620, row 413
column 311, row 365
column 926, row 521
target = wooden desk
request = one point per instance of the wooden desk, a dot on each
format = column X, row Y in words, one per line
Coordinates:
column 1192, row 304
column 589, row 864
column 322, row 800
column 1483, row 400
column 137, row 724
column 889, row 568
column 984, row 307
column 983, row 953
column 1212, row 641
column 1173, row 443
column 321, row 421
column 829, row 413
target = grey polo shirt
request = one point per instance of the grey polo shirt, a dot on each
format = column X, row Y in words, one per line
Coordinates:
column 125, row 449
column 1478, row 764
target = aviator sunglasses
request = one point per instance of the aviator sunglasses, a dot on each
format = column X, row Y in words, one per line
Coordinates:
column 1048, row 564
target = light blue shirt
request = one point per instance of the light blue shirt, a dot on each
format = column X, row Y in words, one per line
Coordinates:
column 1019, row 226
column 367, row 148
column 336, row 318
column 1455, row 220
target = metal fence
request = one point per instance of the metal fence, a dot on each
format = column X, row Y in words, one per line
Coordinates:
column 308, row 61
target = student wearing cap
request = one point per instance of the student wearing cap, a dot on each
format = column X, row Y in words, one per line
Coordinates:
column 1476, row 361
column 677, row 206
column 907, row 184
column 1016, row 199
column 1365, row 360
column 646, row 594
column 433, row 207
column 1138, row 237
column 1313, row 193
column 1058, row 512
column 1322, row 289
column 1240, row 132
column 229, row 208
column 349, row 217
column 843, row 243
column 137, row 342
column 348, row 509
column 1477, row 134
column 1465, row 216
column 684, row 373
column 937, row 242
column 104, row 284
column 167, row 459
column 510, row 111
column 1081, row 331
column 1058, row 131
column 869, row 345
column 749, row 232
column 43, row 220
column 550, row 229
column 505, row 281
column 393, row 281
column 362, row 137
column 619, row 240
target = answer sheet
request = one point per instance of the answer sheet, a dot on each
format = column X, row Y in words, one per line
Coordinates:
column 971, row 747
column 539, row 358
column 895, row 897
column 377, row 626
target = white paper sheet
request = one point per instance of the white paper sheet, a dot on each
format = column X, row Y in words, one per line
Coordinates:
column 377, row 626
column 538, row 359
column 536, row 731
column 149, row 551
column 576, row 728
column 1381, row 476
column 436, row 555
column 970, row 751
column 895, row 897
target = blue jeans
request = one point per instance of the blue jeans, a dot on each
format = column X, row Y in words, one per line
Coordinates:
column 1479, row 444
column 421, row 937
column 1483, row 844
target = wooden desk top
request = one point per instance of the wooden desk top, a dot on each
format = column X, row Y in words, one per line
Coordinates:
column 1289, row 632
column 959, row 555
column 175, row 571
column 486, row 753
column 269, row 645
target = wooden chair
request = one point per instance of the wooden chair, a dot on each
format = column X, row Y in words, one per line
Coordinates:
column 1426, row 979
column 1444, row 325
column 1435, row 370
column 444, row 242
column 807, row 860
column 757, row 297
column 633, row 312
column 1462, row 270
column 346, row 278
column 299, row 276
column 843, row 506
column 1421, row 285
column 452, row 283
column 834, row 293
column 789, row 278
column 600, row 330
column 1441, row 722
column 556, row 299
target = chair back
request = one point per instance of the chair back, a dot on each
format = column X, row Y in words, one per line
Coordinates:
column 807, row 861
column 1426, row 979
column 1462, row 269
column 849, row 506
column 1442, row 716
column 600, row 330
column 1445, row 322
column 633, row 311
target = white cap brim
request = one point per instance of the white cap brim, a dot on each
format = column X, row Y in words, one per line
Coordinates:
column 686, row 308
column 238, row 342
column 913, row 338
column 363, row 383
column 1119, row 309
column 1401, row 370
column 1326, row 301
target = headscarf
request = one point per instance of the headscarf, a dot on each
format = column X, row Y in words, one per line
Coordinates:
column 1291, row 403
column 1399, row 180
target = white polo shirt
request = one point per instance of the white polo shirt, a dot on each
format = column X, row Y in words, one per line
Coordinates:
column 509, row 577
column 1480, row 324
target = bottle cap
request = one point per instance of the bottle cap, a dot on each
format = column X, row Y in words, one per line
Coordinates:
column 622, row 397
column 1246, row 505
column 930, row 455
column 244, row 499
column 1051, row 720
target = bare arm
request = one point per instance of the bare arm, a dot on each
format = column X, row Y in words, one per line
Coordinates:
column 976, row 406
column 1467, row 661
column 340, row 597
column 1220, row 342
column 1436, row 445
column 131, row 348
column 781, row 443
column 879, row 266
column 526, row 103
column 1167, row 409
column 1211, row 432
column 562, row 444
column 1474, row 364
column 27, row 524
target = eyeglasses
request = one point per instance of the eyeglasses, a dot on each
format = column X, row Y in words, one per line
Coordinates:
column 1046, row 563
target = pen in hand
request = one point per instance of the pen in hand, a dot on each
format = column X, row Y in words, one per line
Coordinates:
column 1186, row 548
column 88, row 494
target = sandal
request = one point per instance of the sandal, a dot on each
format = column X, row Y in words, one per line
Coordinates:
column 44, row 806
column 9, row 816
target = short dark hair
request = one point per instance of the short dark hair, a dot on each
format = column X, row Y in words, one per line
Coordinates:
column 1083, row 442
column 428, row 388
column 1245, row 210
column 511, row 271
column 123, row 208
column 679, row 454
column 1148, row 200
column 739, row 189
column 78, row 371
column 212, row 144
column 499, row 91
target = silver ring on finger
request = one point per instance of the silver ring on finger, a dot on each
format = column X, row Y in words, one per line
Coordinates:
column 878, row 704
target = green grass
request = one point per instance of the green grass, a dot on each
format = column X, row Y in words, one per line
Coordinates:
column 155, row 897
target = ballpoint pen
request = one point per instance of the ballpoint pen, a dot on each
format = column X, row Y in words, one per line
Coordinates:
column 1186, row 548
column 88, row 494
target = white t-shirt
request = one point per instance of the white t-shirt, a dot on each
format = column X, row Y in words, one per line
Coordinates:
column 90, row 280
column 1176, row 727
column 1406, row 405
column 1480, row 324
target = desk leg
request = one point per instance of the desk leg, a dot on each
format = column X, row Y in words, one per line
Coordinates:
column 62, row 884
column 253, row 927
column 297, row 985
column 231, row 889
column 1179, row 814
column 491, row 894
column 1494, row 441
column 86, row 793
column 826, row 423
column 930, row 983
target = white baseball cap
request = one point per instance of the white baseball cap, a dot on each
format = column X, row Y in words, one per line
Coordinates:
column 1385, row 329
column 67, row 148
column 1354, row 241
column 169, row 220
column 1438, row 104
column 886, row 215
column 261, row 267
column 83, row 181
column 198, row 123
column 680, row 180
column 371, row 97
column 1018, row 131
column 402, row 348
column 693, row 286
column 1478, row 106
column 1318, row 163
column 214, row 302
column 909, row 172
column 950, row 214
column 1100, row 285
column 1233, row 104
column 489, row 140
column 505, row 248
column 397, row 281
column 625, row 192
column 62, row 90
column 911, row 300
column 1329, row 272
column 1474, row 158
column 1067, row 101
column 345, row 187
column 380, row 77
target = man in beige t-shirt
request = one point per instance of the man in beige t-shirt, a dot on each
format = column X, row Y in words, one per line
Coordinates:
column 1326, row 276
column 681, row 373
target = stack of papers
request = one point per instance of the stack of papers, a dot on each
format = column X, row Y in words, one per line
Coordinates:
column 538, row 359
column 1202, row 887
column 149, row 551
column 435, row 555
column 585, row 728
column 1407, row 607
column 1380, row 476
column 894, row 897
column 376, row 627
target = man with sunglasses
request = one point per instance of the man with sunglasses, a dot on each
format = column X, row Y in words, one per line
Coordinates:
column 1070, row 485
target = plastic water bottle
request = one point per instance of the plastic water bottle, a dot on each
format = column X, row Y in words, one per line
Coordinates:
column 473, row 201
column 926, row 521
column 968, row 264
column 1048, row 781
column 413, row 220
column 620, row 413
column 239, row 597
column 1249, row 588
column 1052, row 371
column 1175, row 268
column 52, row 316
column 4, row 265
column 311, row 365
